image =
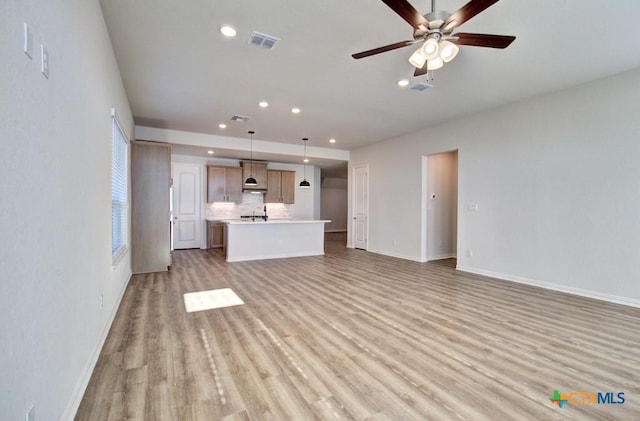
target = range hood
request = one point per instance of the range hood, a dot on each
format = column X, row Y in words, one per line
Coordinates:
column 257, row 170
column 253, row 189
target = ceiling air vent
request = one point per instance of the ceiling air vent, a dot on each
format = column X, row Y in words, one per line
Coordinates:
column 263, row 40
column 422, row 86
column 241, row 118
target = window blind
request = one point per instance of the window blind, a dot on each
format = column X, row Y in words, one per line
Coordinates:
column 119, row 192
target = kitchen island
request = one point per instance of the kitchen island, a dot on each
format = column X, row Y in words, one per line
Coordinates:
column 273, row 239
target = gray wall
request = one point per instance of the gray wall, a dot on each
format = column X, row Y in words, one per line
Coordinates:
column 55, row 214
column 333, row 203
column 555, row 179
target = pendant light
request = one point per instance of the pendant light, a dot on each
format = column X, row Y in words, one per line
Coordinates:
column 251, row 181
column 304, row 184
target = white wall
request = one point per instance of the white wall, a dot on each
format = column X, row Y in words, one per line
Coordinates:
column 556, row 183
column 442, row 205
column 55, row 218
column 334, row 203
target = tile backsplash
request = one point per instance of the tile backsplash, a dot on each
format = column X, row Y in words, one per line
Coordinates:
column 250, row 203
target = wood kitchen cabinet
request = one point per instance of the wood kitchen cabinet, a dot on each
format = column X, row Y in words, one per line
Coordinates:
column 215, row 234
column 257, row 170
column 281, row 187
column 224, row 184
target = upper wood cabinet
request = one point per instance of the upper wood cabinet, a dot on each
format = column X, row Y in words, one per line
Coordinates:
column 281, row 187
column 224, row 184
column 257, row 170
column 288, row 192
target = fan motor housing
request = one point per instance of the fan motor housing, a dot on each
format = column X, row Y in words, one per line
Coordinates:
column 436, row 20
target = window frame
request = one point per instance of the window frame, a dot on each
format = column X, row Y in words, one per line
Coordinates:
column 119, row 190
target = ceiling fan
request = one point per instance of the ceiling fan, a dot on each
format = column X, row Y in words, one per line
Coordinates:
column 435, row 31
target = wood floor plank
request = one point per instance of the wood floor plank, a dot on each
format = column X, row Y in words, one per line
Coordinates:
column 353, row 335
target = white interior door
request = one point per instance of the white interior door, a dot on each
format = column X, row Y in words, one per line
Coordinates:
column 186, row 206
column 361, row 206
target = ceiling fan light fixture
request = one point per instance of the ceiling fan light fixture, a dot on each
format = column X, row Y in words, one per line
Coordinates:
column 435, row 64
column 430, row 48
column 417, row 59
column 448, row 51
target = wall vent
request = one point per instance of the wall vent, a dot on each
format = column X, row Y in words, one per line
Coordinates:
column 422, row 86
column 241, row 118
column 263, row 40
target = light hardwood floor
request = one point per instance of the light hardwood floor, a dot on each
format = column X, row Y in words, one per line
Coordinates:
column 355, row 335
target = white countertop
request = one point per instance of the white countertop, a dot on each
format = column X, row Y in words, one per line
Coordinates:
column 259, row 221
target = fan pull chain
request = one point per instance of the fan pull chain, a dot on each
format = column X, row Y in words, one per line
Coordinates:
column 429, row 75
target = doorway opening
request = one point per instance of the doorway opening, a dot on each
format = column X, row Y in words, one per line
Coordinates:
column 440, row 206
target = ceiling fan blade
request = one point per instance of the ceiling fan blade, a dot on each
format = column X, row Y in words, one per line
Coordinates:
column 421, row 71
column 466, row 12
column 483, row 40
column 408, row 13
column 384, row 49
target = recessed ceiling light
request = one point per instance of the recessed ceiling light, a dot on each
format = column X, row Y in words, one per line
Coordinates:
column 222, row 126
column 295, row 110
column 332, row 141
column 403, row 82
column 228, row 31
column 210, row 152
column 263, row 104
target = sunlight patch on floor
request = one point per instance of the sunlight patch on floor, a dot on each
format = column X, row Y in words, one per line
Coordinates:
column 211, row 299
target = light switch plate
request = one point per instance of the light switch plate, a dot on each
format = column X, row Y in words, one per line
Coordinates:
column 45, row 62
column 28, row 41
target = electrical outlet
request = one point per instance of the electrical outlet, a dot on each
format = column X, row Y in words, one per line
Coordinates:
column 101, row 301
column 44, row 68
column 28, row 41
column 395, row 242
column 469, row 252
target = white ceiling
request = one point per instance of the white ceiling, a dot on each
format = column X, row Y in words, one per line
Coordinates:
column 180, row 73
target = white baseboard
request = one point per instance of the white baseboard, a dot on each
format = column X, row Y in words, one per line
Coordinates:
column 555, row 287
column 78, row 392
column 398, row 255
column 441, row 256
column 275, row 256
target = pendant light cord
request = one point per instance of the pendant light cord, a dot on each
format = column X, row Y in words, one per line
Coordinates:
column 251, row 132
